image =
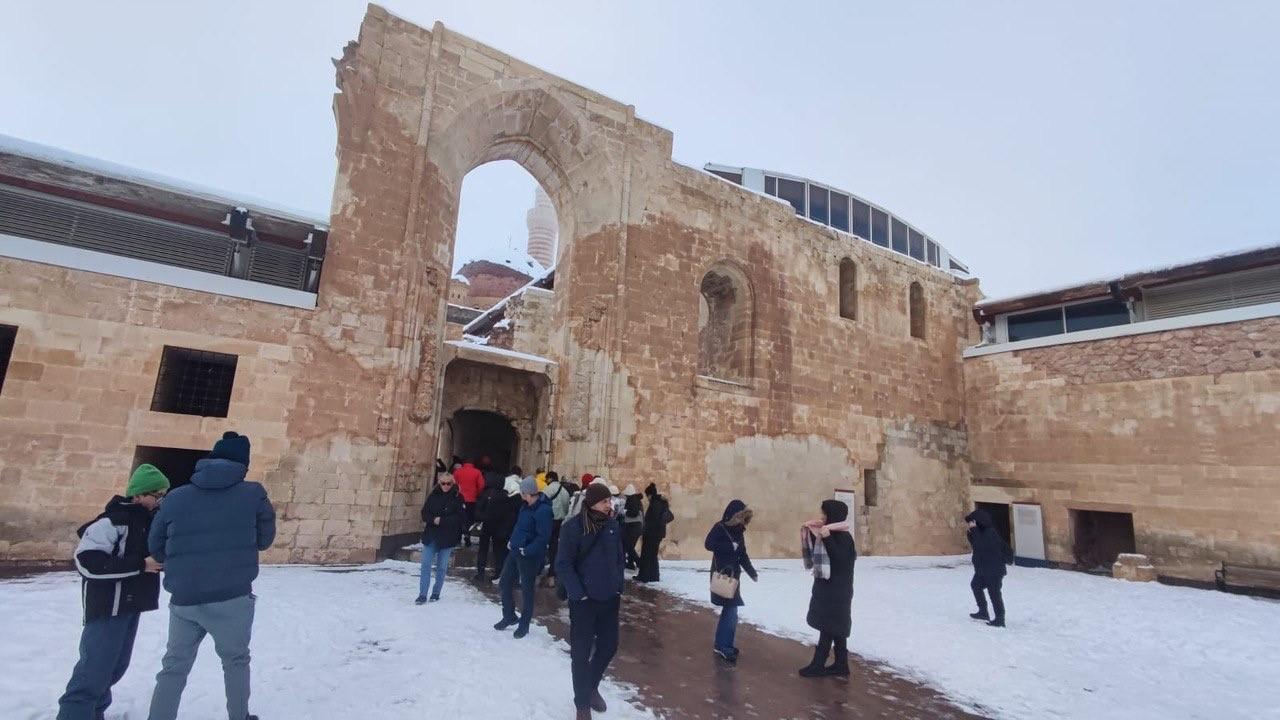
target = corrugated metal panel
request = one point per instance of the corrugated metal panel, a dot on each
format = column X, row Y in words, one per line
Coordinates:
column 1250, row 287
column 277, row 265
column 66, row 222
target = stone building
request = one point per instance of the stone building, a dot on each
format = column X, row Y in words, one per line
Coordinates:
column 727, row 332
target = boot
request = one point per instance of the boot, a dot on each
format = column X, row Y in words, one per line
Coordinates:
column 583, row 714
column 840, row 667
column 814, row 668
column 998, row 622
column 980, row 615
column 505, row 623
column 597, row 702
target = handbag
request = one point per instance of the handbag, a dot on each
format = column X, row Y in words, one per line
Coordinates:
column 724, row 585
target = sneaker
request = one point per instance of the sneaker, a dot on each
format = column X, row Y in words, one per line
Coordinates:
column 521, row 632
column 728, row 656
column 505, row 623
column 597, row 702
column 435, row 598
column 983, row 616
column 998, row 622
column 420, row 600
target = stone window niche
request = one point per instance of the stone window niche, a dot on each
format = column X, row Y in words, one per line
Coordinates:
column 848, row 289
column 194, row 382
column 1099, row 537
column 916, row 303
column 870, row 491
column 725, row 325
column 177, row 464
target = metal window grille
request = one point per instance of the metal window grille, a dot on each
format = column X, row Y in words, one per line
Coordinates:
column 8, row 334
column 194, row 382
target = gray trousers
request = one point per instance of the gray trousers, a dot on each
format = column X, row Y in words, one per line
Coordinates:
column 230, row 622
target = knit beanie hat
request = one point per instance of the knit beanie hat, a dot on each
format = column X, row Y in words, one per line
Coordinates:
column 594, row 493
column 146, row 479
column 835, row 511
column 630, row 490
column 529, row 486
column 233, row 446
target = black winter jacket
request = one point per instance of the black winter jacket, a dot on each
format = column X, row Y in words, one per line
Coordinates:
column 728, row 548
column 990, row 552
column 111, row 556
column 654, row 527
column 447, row 507
column 831, row 604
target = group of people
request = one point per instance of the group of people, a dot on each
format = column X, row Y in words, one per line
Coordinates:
column 205, row 536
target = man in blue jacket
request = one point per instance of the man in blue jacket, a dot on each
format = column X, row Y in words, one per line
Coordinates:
column 589, row 565
column 208, row 535
column 528, row 550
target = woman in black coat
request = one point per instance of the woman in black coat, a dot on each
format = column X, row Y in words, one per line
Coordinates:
column 632, row 525
column 656, row 518
column 442, row 530
column 728, row 546
column 831, row 603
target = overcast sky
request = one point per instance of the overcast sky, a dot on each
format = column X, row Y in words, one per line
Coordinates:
column 1041, row 143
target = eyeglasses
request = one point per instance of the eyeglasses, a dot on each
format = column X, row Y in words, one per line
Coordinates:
column 445, row 484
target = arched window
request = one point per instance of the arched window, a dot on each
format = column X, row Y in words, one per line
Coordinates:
column 916, row 301
column 725, row 324
column 848, row 289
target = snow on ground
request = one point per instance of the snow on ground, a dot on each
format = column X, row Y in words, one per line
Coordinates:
column 1076, row 645
column 326, row 644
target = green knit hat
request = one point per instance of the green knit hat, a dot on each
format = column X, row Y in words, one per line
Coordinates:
column 146, row 479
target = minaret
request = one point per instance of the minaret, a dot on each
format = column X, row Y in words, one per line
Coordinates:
column 543, row 228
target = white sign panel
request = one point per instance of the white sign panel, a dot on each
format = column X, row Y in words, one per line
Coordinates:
column 1028, row 531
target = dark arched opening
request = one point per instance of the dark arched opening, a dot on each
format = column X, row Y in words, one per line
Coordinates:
column 479, row 434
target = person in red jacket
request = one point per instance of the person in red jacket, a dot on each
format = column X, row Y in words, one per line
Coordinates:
column 470, row 483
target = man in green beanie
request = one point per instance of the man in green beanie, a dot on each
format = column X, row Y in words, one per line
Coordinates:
column 120, row 582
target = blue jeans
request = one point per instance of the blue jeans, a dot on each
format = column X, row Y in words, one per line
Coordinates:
column 105, row 648
column 433, row 558
column 726, row 628
column 527, row 569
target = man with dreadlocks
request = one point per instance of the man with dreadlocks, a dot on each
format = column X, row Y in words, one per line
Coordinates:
column 589, row 565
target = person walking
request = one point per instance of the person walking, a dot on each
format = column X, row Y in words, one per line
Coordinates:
column 442, row 518
column 632, row 524
column 528, row 550
column 656, row 518
column 559, row 499
column 119, row 581
column 589, row 566
column 208, row 534
column 493, row 510
column 470, row 485
column 990, row 555
column 727, row 543
column 827, row 548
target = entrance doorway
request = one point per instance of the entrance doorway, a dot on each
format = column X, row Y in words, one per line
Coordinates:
column 999, row 513
column 1100, row 537
column 477, row 434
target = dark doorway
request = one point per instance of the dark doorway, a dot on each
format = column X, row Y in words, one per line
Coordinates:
column 177, row 464
column 1100, row 537
column 478, row 434
column 999, row 513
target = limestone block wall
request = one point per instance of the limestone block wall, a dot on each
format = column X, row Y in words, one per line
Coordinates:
column 1177, row 428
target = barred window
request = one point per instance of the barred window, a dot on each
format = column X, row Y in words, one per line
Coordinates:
column 194, row 382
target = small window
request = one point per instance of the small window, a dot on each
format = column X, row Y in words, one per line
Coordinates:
column 933, row 253
column 860, row 219
column 194, row 382
column 1041, row 323
column 1091, row 316
column 848, row 289
column 8, row 334
column 869, row 493
column 819, row 202
column 901, row 233
column 879, row 227
column 915, row 299
column 839, row 211
column 770, row 185
column 793, row 192
column 917, row 245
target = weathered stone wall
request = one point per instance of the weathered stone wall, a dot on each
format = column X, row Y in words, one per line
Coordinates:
column 1177, row 428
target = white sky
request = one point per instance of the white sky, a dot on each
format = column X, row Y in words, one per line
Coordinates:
column 1040, row 143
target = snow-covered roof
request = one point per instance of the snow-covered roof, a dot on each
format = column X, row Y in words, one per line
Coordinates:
column 500, row 352
column 56, row 156
column 499, row 308
column 1098, row 285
